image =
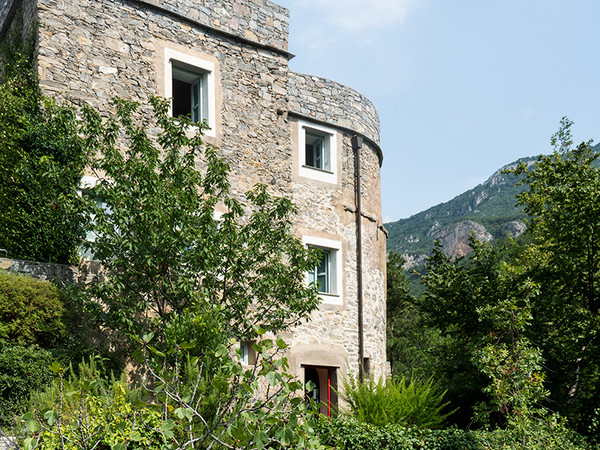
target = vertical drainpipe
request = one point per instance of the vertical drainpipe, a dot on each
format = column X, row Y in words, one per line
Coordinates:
column 357, row 142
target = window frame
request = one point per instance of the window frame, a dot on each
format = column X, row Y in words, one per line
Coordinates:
column 86, row 185
column 334, row 249
column 179, row 61
column 247, row 354
column 328, row 172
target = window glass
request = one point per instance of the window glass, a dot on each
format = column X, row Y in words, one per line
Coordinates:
column 321, row 273
column 189, row 96
column 317, row 150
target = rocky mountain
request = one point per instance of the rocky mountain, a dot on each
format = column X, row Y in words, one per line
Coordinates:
column 489, row 210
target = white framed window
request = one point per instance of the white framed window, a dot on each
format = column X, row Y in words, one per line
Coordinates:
column 247, row 354
column 85, row 189
column 190, row 83
column 327, row 273
column 317, row 152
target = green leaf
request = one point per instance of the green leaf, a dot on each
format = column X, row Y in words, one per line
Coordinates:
column 32, row 425
column 167, row 425
column 56, row 368
column 51, row 417
column 281, row 343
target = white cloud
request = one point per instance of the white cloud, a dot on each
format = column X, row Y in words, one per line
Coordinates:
column 527, row 113
column 320, row 24
column 358, row 15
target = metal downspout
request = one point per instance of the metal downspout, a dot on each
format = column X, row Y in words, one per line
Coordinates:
column 357, row 142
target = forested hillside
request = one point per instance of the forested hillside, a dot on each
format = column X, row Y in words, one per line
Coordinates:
column 489, row 210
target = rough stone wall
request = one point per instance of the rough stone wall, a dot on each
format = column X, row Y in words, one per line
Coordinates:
column 334, row 103
column 5, row 6
column 7, row 443
column 92, row 50
column 260, row 20
column 328, row 210
column 85, row 273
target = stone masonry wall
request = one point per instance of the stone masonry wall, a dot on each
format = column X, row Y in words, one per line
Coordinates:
column 333, row 103
column 7, row 443
column 329, row 211
column 94, row 50
column 258, row 20
column 86, row 273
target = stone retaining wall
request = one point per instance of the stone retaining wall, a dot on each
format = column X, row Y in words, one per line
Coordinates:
column 87, row 272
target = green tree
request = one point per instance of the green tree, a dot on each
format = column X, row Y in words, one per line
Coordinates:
column 563, row 203
column 410, row 342
column 165, row 252
column 458, row 300
column 508, row 358
column 187, row 287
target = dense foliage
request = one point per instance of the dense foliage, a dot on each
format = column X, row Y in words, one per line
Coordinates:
column 31, row 311
column 174, row 243
column 409, row 340
column 23, row 369
column 41, row 163
column 183, row 286
column 39, row 323
column 518, row 322
column 394, row 401
column 548, row 434
column 564, row 259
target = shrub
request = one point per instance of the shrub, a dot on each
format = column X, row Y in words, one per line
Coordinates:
column 86, row 409
column 342, row 433
column 250, row 409
column 396, row 401
column 547, row 434
column 22, row 370
column 31, row 311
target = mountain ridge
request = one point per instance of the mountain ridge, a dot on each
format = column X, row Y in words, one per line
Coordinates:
column 489, row 209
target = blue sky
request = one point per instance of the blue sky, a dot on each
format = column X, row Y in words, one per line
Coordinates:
column 462, row 87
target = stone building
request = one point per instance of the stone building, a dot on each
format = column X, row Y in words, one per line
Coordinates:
column 308, row 138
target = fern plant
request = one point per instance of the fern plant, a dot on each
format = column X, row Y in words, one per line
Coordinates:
column 395, row 401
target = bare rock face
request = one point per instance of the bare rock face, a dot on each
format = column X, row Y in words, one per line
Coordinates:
column 433, row 229
column 455, row 238
column 514, row 229
column 413, row 261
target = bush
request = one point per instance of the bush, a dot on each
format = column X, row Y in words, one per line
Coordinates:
column 22, row 370
column 350, row 434
column 548, row 434
column 31, row 311
column 396, row 401
column 86, row 408
column 175, row 408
